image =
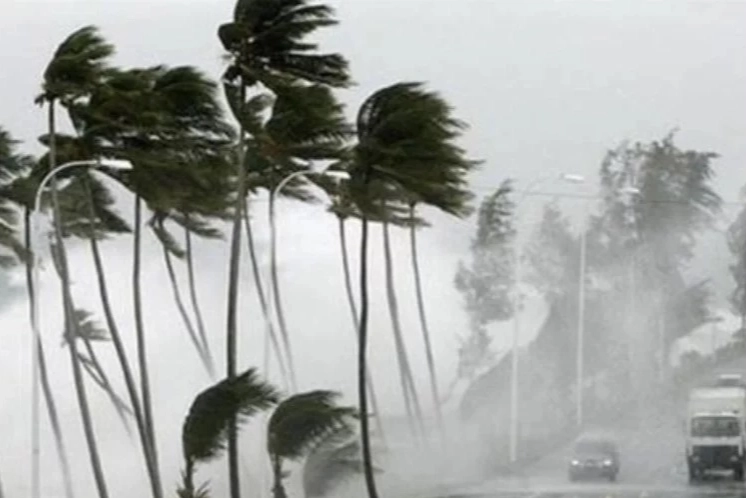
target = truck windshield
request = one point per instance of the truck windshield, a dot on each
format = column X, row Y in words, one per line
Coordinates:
column 715, row 427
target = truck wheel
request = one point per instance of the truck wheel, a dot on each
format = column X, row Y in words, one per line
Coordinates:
column 739, row 473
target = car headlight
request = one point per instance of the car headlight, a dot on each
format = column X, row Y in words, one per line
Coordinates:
column 575, row 462
column 607, row 462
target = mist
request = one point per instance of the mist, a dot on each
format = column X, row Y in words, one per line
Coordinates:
column 546, row 87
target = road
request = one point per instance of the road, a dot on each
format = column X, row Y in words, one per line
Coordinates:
column 652, row 466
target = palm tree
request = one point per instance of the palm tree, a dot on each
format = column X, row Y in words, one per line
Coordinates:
column 167, row 122
column 298, row 424
column 343, row 208
column 261, row 296
column 424, row 321
column 265, row 43
column 306, row 124
column 412, row 402
column 405, row 139
column 170, row 247
column 213, row 411
column 17, row 190
column 75, row 68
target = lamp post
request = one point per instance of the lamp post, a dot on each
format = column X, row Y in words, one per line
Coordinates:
column 272, row 292
column 34, row 243
column 514, row 403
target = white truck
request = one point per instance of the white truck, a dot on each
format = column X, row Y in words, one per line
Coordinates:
column 715, row 431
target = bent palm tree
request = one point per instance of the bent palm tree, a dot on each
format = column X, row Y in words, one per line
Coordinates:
column 298, row 425
column 213, row 411
column 265, row 41
column 405, row 140
column 76, row 67
column 17, row 190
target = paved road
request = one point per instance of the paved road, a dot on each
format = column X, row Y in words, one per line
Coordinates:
column 652, row 466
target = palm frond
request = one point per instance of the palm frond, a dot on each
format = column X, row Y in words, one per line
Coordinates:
column 76, row 65
column 334, row 459
column 301, row 421
column 86, row 327
column 267, row 43
column 406, row 137
column 205, row 429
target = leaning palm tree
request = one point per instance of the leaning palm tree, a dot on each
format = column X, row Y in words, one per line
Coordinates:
column 213, row 411
column 167, row 122
column 297, row 425
column 405, row 139
column 75, row 68
column 343, row 208
column 17, row 187
column 306, row 124
column 266, row 44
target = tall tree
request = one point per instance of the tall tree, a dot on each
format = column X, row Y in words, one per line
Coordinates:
column 298, row 424
column 76, row 67
column 168, row 124
column 486, row 283
column 306, row 124
column 405, row 138
column 266, row 44
column 656, row 225
column 17, row 189
column 343, row 208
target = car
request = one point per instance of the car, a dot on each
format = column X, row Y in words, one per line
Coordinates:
column 594, row 457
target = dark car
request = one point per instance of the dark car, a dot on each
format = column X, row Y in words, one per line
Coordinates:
column 594, row 458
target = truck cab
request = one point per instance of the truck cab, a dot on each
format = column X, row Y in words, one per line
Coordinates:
column 716, row 431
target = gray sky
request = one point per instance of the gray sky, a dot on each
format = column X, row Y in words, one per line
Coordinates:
column 547, row 87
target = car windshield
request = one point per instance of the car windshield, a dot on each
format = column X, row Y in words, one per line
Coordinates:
column 715, row 427
column 595, row 448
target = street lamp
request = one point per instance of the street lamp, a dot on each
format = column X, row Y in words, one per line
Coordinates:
column 34, row 243
column 272, row 292
column 514, row 415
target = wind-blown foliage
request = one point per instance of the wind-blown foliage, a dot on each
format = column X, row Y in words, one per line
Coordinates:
column 12, row 166
column 299, row 424
column 405, row 141
column 266, row 43
column 205, row 429
column 76, row 67
column 333, row 460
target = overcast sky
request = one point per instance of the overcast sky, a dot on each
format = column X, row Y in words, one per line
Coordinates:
column 547, row 87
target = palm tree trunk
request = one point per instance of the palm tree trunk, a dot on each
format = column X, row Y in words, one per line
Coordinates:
column 368, row 469
column 233, row 296
column 409, row 392
column 183, row 312
column 142, row 355
column 261, row 295
column 276, row 299
column 424, row 322
column 152, row 469
column 188, row 483
column 70, row 325
column 278, row 491
column 354, row 315
column 54, row 419
column 195, row 302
